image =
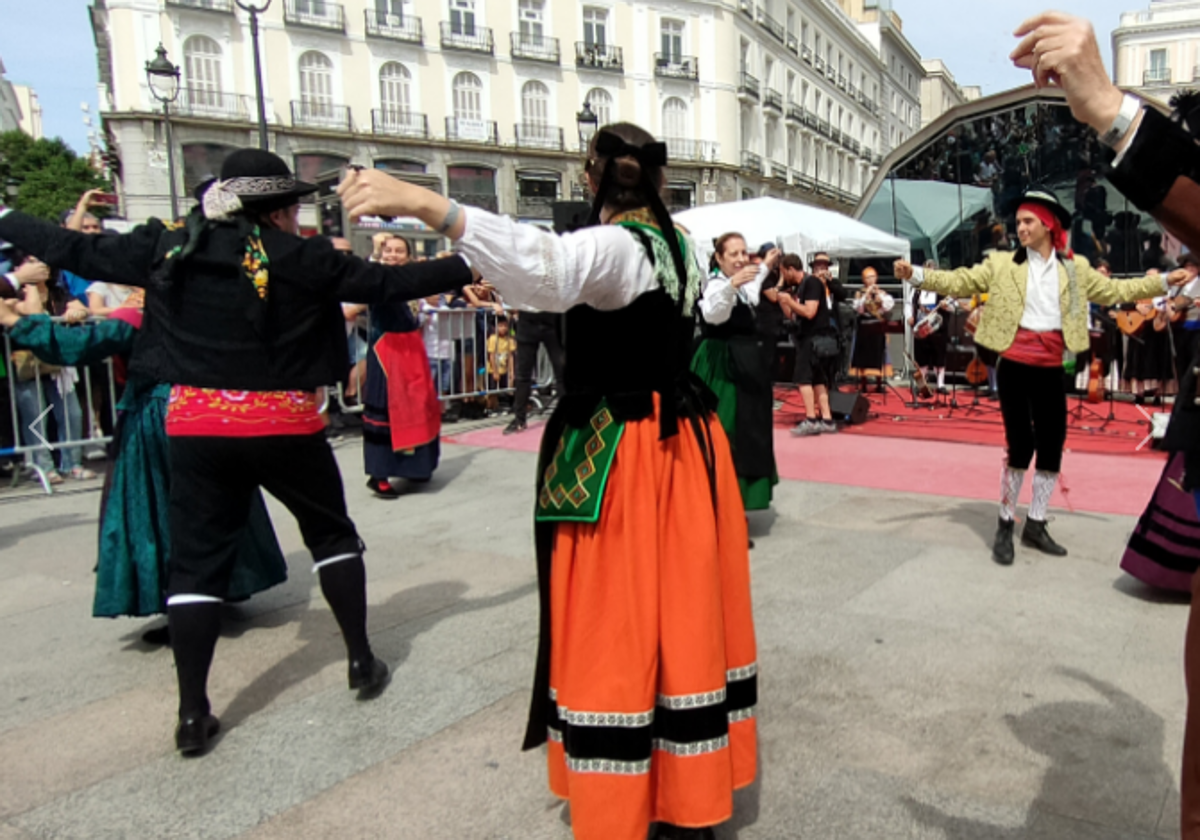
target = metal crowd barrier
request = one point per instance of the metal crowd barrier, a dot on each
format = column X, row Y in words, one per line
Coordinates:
column 457, row 342
column 71, row 395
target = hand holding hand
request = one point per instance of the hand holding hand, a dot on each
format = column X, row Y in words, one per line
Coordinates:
column 773, row 258
column 1061, row 50
column 32, row 271
column 902, row 269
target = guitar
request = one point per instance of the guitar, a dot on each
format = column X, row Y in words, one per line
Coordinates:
column 1131, row 322
column 920, row 383
column 1178, row 307
column 1095, row 392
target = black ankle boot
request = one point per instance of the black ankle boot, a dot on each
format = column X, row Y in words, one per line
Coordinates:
column 1002, row 546
column 666, row 831
column 193, row 733
column 1036, row 536
column 370, row 677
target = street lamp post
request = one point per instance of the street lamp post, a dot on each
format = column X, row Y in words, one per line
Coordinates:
column 588, row 123
column 163, row 77
column 254, row 12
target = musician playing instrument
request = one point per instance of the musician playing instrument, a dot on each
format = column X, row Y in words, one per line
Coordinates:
column 1036, row 319
column 869, row 358
column 926, row 312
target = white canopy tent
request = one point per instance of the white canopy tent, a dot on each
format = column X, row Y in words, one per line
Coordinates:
column 925, row 212
column 799, row 228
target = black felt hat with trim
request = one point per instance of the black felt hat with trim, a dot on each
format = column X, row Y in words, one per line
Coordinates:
column 1045, row 197
column 261, row 180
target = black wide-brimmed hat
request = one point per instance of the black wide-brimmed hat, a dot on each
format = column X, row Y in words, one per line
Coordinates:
column 1045, row 197
column 256, row 180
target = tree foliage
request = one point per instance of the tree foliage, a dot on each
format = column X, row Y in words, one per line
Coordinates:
column 49, row 176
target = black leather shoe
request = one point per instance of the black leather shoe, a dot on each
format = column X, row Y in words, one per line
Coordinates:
column 369, row 677
column 1036, row 536
column 517, row 425
column 1002, row 547
column 193, row 733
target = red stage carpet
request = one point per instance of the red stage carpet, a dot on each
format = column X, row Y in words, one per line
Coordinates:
column 1097, row 483
column 891, row 417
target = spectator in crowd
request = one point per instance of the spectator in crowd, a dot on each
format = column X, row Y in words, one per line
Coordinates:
column 534, row 330
column 439, row 343
column 38, row 385
column 501, row 356
column 818, row 349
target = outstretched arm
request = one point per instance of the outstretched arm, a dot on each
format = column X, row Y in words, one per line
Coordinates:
column 125, row 259
column 962, row 282
column 60, row 344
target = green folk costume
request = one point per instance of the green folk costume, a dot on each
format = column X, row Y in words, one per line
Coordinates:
column 134, row 539
column 732, row 362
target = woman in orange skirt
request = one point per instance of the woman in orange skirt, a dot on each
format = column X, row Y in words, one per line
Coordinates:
column 646, row 682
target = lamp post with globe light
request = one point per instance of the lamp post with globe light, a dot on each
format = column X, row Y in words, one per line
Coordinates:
column 163, row 77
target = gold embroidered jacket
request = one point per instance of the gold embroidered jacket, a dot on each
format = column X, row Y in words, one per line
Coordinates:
column 1003, row 277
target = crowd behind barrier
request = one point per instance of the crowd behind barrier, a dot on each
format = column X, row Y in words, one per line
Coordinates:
column 54, row 415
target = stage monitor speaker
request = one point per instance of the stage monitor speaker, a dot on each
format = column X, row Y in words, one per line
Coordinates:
column 849, row 406
column 570, row 215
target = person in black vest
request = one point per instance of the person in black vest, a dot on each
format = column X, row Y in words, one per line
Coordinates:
column 243, row 316
column 534, row 329
column 732, row 361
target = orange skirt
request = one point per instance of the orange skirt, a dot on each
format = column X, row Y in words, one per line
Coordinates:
column 652, row 664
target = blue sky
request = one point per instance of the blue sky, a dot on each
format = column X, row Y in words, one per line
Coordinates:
column 48, row 44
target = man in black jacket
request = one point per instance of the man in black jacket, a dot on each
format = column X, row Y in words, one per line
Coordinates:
column 244, row 317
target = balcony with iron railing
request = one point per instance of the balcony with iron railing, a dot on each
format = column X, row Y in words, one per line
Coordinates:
column 599, row 57
column 752, row 162
column 535, row 48
column 535, row 206
column 774, row 27
column 467, row 38
column 748, row 85
column 746, row 7
column 779, row 172
column 399, row 122
column 830, row 72
column 773, row 99
column 225, row 7
column 538, row 136
column 1157, row 77
column 824, row 127
column 868, row 154
column 795, row 112
column 315, row 14
column 406, row 28
column 842, row 81
column 811, row 119
column 311, row 113
column 793, row 44
column 819, row 64
column 852, row 145
column 668, row 66
column 461, row 130
column 835, row 134
column 806, row 54
column 213, row 105
column 484, row 201
column 853, row 91
column 697, row 151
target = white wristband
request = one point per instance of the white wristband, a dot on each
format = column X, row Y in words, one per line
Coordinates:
column 1130, row 105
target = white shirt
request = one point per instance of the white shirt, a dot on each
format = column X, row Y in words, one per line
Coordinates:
column 604, row 267
column 111, row 294
column 1043, row 305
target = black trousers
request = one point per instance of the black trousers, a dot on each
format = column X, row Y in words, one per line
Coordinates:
column 527, row 352
column 212, row 479
column 1033, row 401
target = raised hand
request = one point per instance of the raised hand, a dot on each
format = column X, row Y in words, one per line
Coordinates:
column 1178, row 277
column 371, row 192
column 32, row 272
column 902, row 269
column 744, row 276
column 1060, row 49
